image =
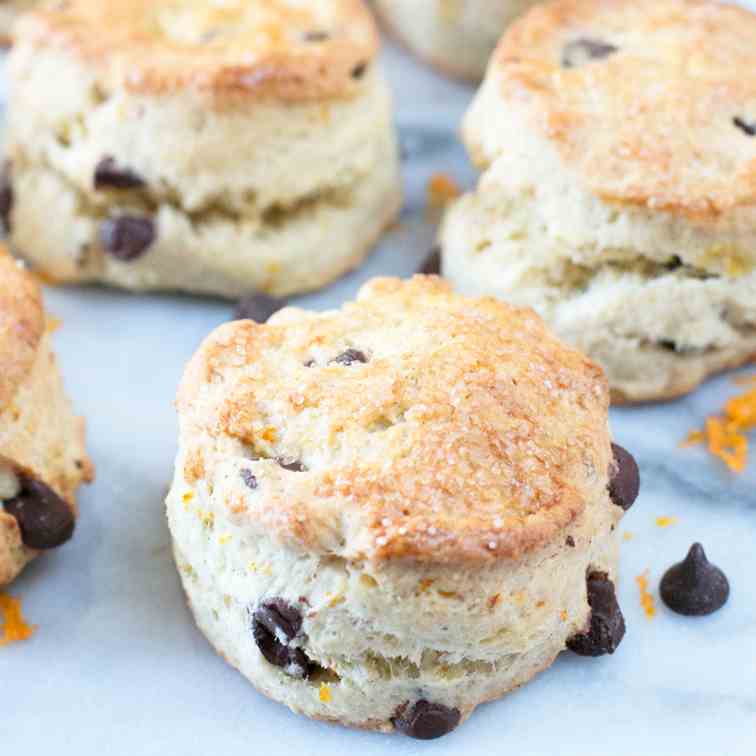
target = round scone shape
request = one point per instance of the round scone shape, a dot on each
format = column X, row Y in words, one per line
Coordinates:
column 42, row 454
column 619, row 189
column 387, row 514
column 457, row 37
column 221, row 148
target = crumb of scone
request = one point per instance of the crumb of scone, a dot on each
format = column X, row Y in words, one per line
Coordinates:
column 14, row 627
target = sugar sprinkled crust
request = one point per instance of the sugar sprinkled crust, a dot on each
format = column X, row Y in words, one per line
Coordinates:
column 284, row 49
column 673, row 147
column 468, row 433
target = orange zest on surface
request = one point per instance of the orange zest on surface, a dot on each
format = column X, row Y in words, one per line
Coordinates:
column 628, row 536
column 14, row 627
column 441, row 189
column 665, row 522
column 325, row 693
column 724, row 435
column 53, row 324
column 646, row 599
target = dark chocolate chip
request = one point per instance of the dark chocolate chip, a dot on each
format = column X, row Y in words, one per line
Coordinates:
column 249, row 480
column 45, row 519
column 349, row 357
column 432, row 264
column 570, row 542
column 292, row 465
column 747, row 127
column 694, row 587
column 316, row 36
column 581, row 51
column 127, row 237
column 675, row 263
column 359, row 70
column 425, row 720
column 624, row 484
column 258, row 307
column 108, row 175
column 607, row 625
column 668, row 345
column 6, row 197
column 275, row 624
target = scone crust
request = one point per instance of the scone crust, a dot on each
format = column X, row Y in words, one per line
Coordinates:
column 232, row 51
column 673, row 147
column 469, row 434
column 22, row 325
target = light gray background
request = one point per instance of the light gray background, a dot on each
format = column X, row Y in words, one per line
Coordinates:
column 117, row 666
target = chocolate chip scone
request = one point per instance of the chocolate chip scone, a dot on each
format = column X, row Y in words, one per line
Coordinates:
column 456, row 36
column 388, row 514
column 42, row 455
column 218, row 148
column 9, row 12
column 618, row 140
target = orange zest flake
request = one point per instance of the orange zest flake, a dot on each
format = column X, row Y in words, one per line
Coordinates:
column 646, row 599
column 14, row 627
column 628, row 535
column 52, row 323
column 724, row 434
column 325, row 694
column 441, row 190
column 665, row 522
column 563, row 615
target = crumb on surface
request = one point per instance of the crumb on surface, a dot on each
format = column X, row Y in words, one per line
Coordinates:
column 725, row 434
column 646, row 599
column 14, row 627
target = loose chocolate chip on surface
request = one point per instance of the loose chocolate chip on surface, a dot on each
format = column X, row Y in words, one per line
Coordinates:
column 432, row 264
column 292, row 465
column 426, row 720
column 607, row 625
column 581, row 51
column 359, row 70
column 746, row 127
column 624, row 484
column 257, row 307
column 275, row 623
column 108, row 175
column 694, row 587
column 250, row 481
column 349, row 357
column 127, row 237
column 46, row 521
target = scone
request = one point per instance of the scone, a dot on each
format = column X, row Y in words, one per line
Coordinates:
column 9, row 11
column 388, row 514
column 42, row 455
column 618, row 140
column 219, row 148
column 457, row 36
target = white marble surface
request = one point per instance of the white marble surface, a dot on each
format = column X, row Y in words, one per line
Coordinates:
column 117, row 666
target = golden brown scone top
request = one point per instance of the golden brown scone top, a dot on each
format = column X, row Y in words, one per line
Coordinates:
column 469, row 433
column 651, row 119
column 22, row 325
column 281, row 49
